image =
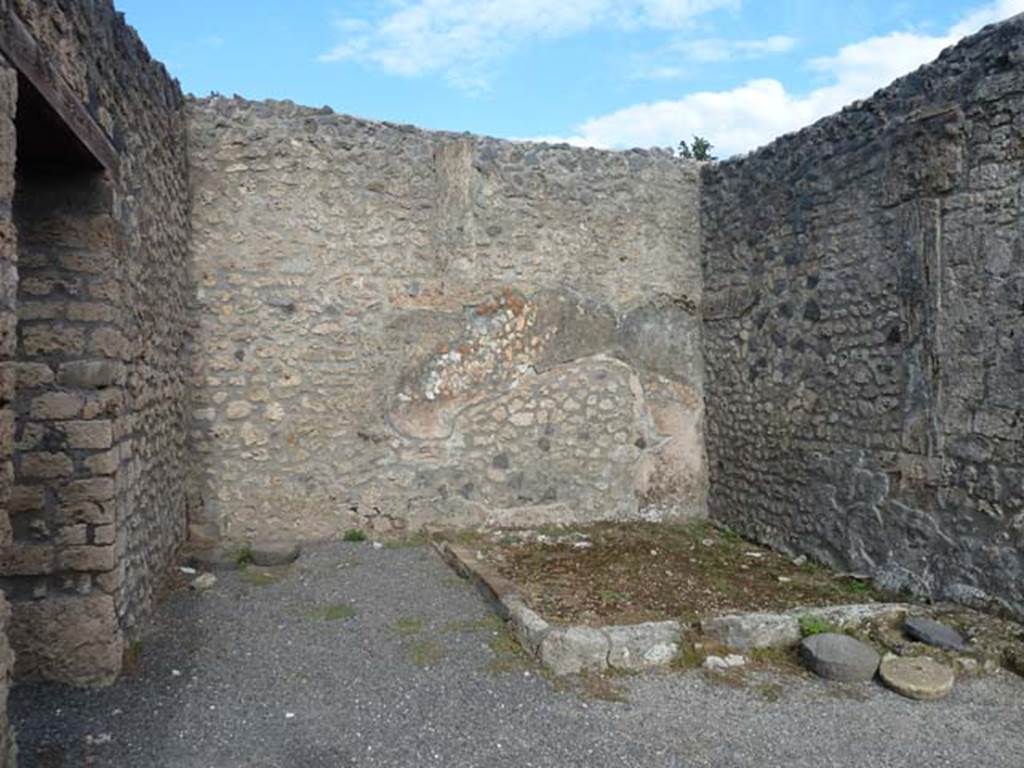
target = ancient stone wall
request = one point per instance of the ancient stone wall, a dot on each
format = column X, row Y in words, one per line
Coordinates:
column 102, row 344
column 864, row 331
column 8, row 351
column 401, row 327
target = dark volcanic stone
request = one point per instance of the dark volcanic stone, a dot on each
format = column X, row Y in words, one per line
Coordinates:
column 934, row 633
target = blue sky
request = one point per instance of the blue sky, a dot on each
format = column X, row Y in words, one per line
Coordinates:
column 610, row 73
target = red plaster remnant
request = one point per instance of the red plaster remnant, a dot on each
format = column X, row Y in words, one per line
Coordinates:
column 497, row 348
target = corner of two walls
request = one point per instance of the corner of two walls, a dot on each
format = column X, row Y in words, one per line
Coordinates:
column 401, row 328
column 864, row 332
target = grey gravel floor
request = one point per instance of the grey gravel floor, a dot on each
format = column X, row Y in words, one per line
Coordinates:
column 254, row 676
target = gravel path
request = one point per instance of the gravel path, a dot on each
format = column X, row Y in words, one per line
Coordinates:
column 253, row 675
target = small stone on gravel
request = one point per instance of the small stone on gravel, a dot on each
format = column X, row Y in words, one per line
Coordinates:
column 203, row 582
column 731, row 661
column 270, row 553
column 839, row 657
column 934, row 633
column 917, row 677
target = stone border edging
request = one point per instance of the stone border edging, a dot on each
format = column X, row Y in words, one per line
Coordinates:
column 747, row 631
column 567, row 650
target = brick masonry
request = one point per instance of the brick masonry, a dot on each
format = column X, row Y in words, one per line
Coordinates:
column 864, row 332
column 98, row 358
column 401, row 327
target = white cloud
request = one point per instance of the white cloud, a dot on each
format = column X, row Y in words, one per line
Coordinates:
column 753, row 114
column 460, row 38
column 718, row 49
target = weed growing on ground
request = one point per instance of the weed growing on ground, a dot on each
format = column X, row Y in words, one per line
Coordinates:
column 857, row 587
column 815, row 625
column 336, row 612
column 259, row 578
column 688, row 657
column 243, row 556
column 490, row 623
column 425, row 653
column 408, row 625
column 509, row 655
column 594, row 686
column 771, row 692
column 354, row 534
column 408, row 541
column 132, row 658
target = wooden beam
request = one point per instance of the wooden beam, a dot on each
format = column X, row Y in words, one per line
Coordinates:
column 24, row 54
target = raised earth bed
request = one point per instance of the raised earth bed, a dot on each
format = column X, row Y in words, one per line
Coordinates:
column 634, row 596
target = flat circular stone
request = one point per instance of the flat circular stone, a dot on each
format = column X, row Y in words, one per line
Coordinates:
column 917, row 677
column 839, row 657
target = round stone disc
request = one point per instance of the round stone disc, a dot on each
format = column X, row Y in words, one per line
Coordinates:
column 917, row 677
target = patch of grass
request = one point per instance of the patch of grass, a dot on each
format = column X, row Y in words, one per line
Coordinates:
column 688, row 657
column 729, row 536
column 131, row 663
column 604, row 688
column 815, row 625
column 771, row 692
column 408, row 541
column 611, row 596
column 489, row 623
column 857, row 587
column 408, row 625
column 336, row 612
column 243, row 556
column 259, row 577
column 593, row 686
column 425, row 652
column 777, row 659
column 509, row 655
column 354, row 534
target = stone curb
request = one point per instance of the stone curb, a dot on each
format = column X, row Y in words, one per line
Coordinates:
column 747, row 631
column 567, row 650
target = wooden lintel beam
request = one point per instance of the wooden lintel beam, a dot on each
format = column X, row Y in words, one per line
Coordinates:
column 24, row 54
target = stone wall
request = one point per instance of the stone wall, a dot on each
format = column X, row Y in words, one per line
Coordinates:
column 864, row 331
column 8, row 351
column 401, row 327
column 103, row 344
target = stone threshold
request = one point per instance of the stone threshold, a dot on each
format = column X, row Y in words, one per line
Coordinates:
column 573, row 649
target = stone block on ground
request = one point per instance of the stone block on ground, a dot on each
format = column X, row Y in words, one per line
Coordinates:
column 214, row 558
column 642, row 646
column 839, row 657
column 917, row 677
column 573, row 650
column 747, row 631
column 528, row 627
column 270, row 553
